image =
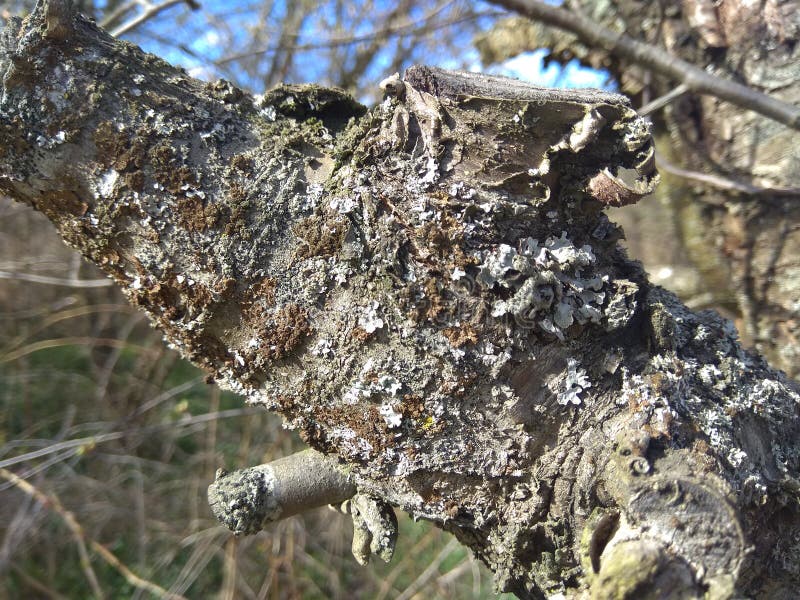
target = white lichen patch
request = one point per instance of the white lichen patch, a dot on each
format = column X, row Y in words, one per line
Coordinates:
column 341, row 273
column 351, row 443
column 269, row 113
column 430, row 173
column 344, row 205
column 356, row 392
column 736, row 457
column 370, row 387
column 575, row 382
column 392, row 418
column 458, row 273
column 323, row 348
column 51, row 142
column 389, row 385
column 313, row 196
column 549, row 289
column 369, row 320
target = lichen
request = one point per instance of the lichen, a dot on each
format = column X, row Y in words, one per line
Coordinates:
column 546, row 284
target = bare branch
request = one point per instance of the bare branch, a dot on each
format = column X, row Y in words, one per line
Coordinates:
column 657, row 59
column 73, row 283
column 662, row 101
column 709, row 179
column 406, row 28
column 724, row 183
column 150, row 12
column 246, row 499
column 115, row 15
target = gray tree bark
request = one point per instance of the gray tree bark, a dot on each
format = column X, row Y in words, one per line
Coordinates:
column 430, row 293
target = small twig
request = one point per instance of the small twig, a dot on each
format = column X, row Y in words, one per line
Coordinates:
column 152, row 11
column 707, row 179
column 115, row 15
column 74, row 283
column 405, row 28
column 429, row 572
column 657, row 59
column 662, row 101
column 77, row 531
column 246, row 499
column 723, row 183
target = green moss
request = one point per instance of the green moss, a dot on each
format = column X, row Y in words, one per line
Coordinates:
column 334, row 107
column 347, row 149
column 627, row 569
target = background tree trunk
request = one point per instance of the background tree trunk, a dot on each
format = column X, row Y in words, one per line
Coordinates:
column 739, row 247
column 431, row 293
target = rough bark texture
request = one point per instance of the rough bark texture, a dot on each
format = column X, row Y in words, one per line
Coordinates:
column 429, row 292
column 744, row 248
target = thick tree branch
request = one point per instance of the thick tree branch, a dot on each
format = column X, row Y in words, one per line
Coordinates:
column 431, row 294
column 651, row 57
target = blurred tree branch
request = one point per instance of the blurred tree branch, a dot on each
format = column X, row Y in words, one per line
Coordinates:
column 149, row 11
column 657, row 59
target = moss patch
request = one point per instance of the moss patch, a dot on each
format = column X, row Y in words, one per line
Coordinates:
column 319, row 237
column 288, row 329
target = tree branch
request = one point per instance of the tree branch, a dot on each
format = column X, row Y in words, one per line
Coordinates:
column 420, row 25
column 726, row 183
column 151, row 11
column 245, row 500
column 651, row 57
column 431, row 294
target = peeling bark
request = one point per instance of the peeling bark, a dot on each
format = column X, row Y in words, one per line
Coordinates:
column 430, row 293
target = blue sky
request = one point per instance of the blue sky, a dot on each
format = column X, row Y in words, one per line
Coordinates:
column 196, row 39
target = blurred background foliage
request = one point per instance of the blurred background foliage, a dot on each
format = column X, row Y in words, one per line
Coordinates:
column 113, row 436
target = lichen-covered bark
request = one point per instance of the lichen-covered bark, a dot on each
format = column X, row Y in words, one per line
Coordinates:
column 430, row 293
column 744, row 248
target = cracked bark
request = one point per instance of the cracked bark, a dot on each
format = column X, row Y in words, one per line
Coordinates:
column 430, row 293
